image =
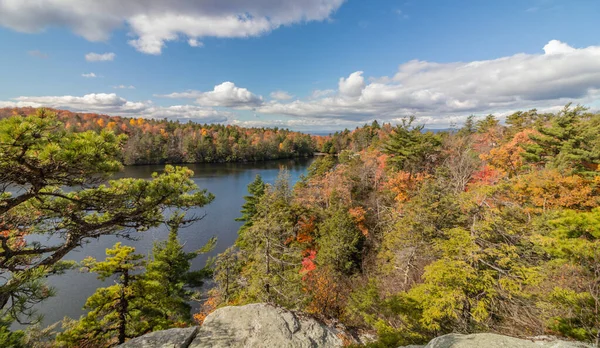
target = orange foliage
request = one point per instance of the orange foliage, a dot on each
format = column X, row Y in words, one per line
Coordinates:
column 358, row 216
column 209, row 306
column 486, row 176
column 328, row 293
column 402, row 184
column 550, row 189
column 508, row 159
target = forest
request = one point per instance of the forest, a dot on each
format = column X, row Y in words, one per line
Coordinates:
column 485, row 228
column 152, row 141
column 402, row 232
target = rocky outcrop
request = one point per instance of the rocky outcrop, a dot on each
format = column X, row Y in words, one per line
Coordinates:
column 489, row 340
column 173, row 338
column 262, row 325
column 254, row 325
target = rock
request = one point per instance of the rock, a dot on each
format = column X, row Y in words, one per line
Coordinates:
column 497, row 341
column 173, row 338
column 262, row 325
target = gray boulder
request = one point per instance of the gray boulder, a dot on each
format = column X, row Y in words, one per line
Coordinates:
column 489, row 340
column 173, row 338
column 262, row 325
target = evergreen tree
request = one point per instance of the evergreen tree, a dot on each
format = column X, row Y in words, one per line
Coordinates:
column 168, row 280
column 340, row 243
column 41, row 221
column 570, row 143
column 488, row 123
column 256, row 190
column 412, row 150
column 274, row 259
column 469, row 127
column 573, row 240
column 114, row 311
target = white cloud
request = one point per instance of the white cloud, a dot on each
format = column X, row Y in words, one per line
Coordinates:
column 153, row 23
column 436, row 92
column 100, row 57
column 112, row 104
column 281, row 95
column 557, row 47
column 226, row 94
column 124, row 87
column 319, row 93
column 89, row 75
column 195, row 43
column 353, row 85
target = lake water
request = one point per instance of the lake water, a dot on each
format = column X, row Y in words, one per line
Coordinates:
column 227, row 181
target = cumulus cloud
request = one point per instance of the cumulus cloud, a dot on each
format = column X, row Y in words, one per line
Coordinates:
column 124, row 87
column 89, row 75
column 281, row 95
column 153, row 23
column 112, row 104
column 437, row 92
column 353, row 85
column 226, row 94
column 100, row 57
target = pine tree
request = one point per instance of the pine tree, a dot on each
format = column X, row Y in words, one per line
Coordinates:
column 573, row 241
column 113, row 310
column 569, row 144
column 411, row 149
column 256, row 190
column 168, row 280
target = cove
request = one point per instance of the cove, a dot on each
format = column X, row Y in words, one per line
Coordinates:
column 227, row 181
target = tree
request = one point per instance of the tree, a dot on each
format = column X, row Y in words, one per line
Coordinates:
column 167, row 281
column 256, row 190
column 569, row 144
column 573, row 240
column 340, row 242
column 411, row 149
column 273, row 256
column 39, row 160
column 469, row 127
column 113, row 310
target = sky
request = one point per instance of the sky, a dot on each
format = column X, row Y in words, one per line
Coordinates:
column 309, row 65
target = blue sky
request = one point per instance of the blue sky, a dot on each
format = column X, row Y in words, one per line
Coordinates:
column 307, row 65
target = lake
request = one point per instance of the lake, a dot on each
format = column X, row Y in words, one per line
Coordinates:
column 227, row 181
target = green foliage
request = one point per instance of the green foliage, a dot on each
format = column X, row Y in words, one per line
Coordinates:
column 114, row 311
column 569, row 143
column 411, row 149
column 573, row 239
column 54, row 197
column 256, row 190
column 273, row 258
column 485, row 125
column 140, row 301
column 168, row 280
column 8, row 338
column 340, row 242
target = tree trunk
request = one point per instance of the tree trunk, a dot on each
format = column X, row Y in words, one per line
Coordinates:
column 122, row 308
